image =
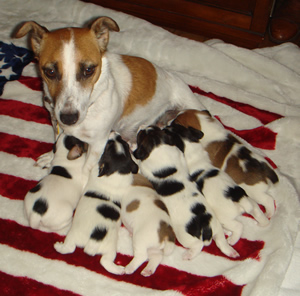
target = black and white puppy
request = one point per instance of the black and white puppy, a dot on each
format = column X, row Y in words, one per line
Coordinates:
column 246, row 167
column 50, row 204
column 97, row 220
column 227, row 199
column 146, row 217
column 193, row 221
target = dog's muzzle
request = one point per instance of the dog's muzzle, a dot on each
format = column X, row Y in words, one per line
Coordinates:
column 69, row 118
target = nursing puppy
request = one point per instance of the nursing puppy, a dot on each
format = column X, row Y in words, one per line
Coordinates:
column 97, row 218
column 248, row 169
column 226, row 198
column 193, row 221
column 146, row 217
column 50, row 204
column 93, row 91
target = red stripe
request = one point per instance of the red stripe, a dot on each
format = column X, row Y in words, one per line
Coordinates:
column 165, row 278
column 23, row 147
column 34, row 83
column 263, row 116
column 260, row 137
column 14, row 187
column 16, row 286
column 25, row 111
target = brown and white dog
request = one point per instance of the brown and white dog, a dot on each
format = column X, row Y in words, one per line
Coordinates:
column 146, row 217
column 248, row 169
column 93, row 91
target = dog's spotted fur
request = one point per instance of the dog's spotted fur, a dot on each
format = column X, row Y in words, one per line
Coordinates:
column 97, row 218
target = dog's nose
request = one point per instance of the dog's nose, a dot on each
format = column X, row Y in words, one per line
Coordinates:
column 69, row 118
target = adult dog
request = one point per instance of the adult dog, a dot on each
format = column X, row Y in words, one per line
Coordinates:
column 93, row 91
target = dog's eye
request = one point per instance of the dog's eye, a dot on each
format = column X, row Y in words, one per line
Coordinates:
column 88, row 71
column 50, row 73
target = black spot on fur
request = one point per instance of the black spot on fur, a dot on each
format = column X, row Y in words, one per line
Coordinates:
column 166, row 172
column 94, row 194
column 36, row 188
column 108, row 212
column 199, row 225
column 235, row 193
column 194, row 176
column 117, row 203
column 60, row 171
column 255, row 166
column 40, row 206
column 168, row 188
column 98, row 234
column 212, row 173
column 191, row 134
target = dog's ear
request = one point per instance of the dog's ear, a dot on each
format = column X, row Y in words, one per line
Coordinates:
column 101, row 27
column 141, row 153
column 75, row 152
column 36, row 34
column 197, row 134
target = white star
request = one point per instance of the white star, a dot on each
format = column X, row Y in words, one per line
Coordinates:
column 2, row 63
column 20, row 57
column 7, row 73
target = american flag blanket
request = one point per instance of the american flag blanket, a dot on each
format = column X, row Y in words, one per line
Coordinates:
column 255, row 94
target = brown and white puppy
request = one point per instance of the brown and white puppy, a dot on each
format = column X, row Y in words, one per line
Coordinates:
column 248, row 169
column 226, row 198
column 51, row 203
column 97, row 220
column 94, row 91
column 146, row 217
column 194, row 222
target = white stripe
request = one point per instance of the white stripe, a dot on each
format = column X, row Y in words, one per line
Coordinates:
column 22, row 167
column 17, row 91
column 26, row 129
column 68, row 277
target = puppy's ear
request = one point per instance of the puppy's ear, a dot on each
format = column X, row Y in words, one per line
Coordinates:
column 101, row 27
column 134, row 167
column 140, row 153
column 197, row 134
column 75, row 152
column 36, row 34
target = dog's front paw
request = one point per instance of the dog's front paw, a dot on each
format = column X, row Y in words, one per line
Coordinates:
column 63, row 248
column 44, row 161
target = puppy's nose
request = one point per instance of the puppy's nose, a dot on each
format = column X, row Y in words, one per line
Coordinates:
column 69, row 118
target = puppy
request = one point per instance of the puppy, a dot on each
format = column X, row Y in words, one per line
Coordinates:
column 248, row 169
column 162, row 162
column 93, row 91
column 50, row 204
column 226, row 198
column 146, row 217
column 97, row 218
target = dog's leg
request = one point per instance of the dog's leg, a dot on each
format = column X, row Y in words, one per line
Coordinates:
column 66, row 247
column 140, row 256
column 107, row 261
column 222, row 243
column 193, row 250
column 44, row 161
column 155, row 257
column 255, row 211
column 236, row 229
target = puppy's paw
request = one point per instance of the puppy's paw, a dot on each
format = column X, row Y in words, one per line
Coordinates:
column 232, row 240
column 62, row 248
column 44, row 161
column 233, row 254
column 147, row 272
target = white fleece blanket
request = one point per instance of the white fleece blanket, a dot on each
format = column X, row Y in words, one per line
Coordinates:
column 255, row 94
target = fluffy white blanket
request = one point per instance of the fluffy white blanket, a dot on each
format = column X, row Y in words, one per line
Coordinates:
column 256, row 94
